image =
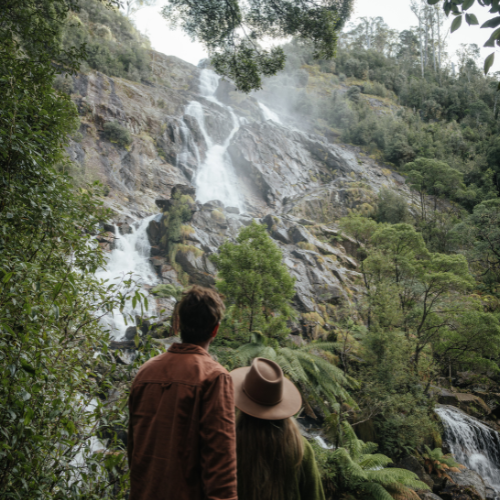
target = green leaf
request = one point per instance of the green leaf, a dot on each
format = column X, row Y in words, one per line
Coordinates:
column 471, row 19
column 457, row 22
column 491, row 40
column 7, row 277
column 137, row 340
column 433, row 2
column 488, row 62
column 27, row 367
column 491, row 23
column 25, row 396
column 467, row 4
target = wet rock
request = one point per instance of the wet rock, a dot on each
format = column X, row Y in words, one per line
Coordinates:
column 163, row 204
column 277, row 228
column 469, row 478
column 130, row 332
column 169, row 275
column 427, row 495
column 109, row 227
column 158, row 261
column 197, row 266
column 300, row 235
column 490, row 494
column 232, row 210
column 124, row 228
column 183, row 189
column 213, row 204
column 455, row 492
column 143, row 325
column 154, row 232
column 155, row 250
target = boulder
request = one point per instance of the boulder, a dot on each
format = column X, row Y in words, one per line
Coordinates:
column 163, row 204
column 412, row 464
column 183, row 189
column 233, row 210
column 154, row 233
column 299, row 234
column 469, row 478
column 427, row 495
column 455, row 492
column 462, row 400
column 491, row 494
column 130, row 332
column 197, row 266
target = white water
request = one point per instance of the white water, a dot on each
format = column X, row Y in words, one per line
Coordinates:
column 322, row 443
column 129, row 260
column 473, row 444
column 269, row 114
column 215, row 179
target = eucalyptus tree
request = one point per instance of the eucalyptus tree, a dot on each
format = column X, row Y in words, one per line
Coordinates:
column 235, row 32
column 459, row 9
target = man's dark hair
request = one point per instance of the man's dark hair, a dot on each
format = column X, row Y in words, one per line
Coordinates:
column 198, row 313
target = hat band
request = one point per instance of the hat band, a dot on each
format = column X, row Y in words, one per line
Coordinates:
column 255, row 400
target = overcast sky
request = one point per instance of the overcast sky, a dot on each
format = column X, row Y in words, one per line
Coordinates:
column 396, row 13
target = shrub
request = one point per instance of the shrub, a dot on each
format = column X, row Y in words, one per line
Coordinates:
column 391, row 207
column 118, row 134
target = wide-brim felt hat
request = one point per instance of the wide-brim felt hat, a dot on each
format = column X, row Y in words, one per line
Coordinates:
column 261, row 390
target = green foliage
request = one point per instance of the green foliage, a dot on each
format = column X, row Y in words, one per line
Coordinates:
column 391, row 207
column 232, row 31
column 459, row 9
column 434, row 178
column 256, row 284
column 113, row 46
column 316, row 377
column 167, row 291
column 436, row 462
column 355, row 469
column 481, row 234
column 50, row 301
column 118, row 134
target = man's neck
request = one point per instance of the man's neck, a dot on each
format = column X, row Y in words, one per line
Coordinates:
column 203, row 345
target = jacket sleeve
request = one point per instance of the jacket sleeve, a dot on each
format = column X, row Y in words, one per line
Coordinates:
column 311, row 487
column 218, row 440
column 130, row 434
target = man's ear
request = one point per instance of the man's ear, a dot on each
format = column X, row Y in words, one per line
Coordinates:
column 214, row 333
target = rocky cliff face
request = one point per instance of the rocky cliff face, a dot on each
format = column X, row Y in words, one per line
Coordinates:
column 297, row 184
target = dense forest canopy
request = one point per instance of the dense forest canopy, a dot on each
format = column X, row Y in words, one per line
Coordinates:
column 429, row 262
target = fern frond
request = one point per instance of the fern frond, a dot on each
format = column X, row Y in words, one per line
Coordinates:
column 375, row 491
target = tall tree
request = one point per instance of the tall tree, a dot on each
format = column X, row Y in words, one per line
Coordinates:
column 234, row 32
column 256, row 284
column 459, row 8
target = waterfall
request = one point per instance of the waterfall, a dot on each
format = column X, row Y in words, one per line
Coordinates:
column 472, row 443
column 215, row 179
column 267, row 114
column 129, row 260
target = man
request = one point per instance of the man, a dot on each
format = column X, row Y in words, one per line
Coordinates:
column 182, row 443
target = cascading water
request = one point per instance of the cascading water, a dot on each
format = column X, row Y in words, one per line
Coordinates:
column 215, row 179
column 473, row 444
column 129, row 259
column 269, row 114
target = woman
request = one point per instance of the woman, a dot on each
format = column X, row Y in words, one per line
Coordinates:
column 274, row 461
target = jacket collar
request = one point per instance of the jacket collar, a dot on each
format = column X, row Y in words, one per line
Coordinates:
column 187, row 349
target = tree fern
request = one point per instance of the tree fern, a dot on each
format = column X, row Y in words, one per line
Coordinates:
column 324, row 382
column 354, row 469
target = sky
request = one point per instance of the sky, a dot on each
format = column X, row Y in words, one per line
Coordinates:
column 396, row 13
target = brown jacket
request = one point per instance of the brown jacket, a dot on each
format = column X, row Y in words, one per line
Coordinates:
column 182, row 443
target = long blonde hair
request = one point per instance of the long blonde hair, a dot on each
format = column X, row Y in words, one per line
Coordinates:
column 269, row 456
